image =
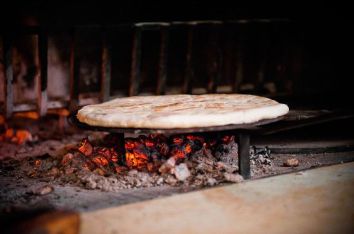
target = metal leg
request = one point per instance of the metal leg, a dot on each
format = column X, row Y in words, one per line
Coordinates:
column 121, row 147
column 243, row 140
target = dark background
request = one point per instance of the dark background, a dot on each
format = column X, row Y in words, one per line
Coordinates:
column 325, row 31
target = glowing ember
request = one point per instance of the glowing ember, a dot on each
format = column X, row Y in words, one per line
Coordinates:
column 227, row 139
column 28, row 115
column 85, row 147
column 100, row 161
column 18, row 136
column 142, row 153
column 37, row 163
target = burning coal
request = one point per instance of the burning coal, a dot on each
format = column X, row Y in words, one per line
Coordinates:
column 144, row 153
column 17, row 136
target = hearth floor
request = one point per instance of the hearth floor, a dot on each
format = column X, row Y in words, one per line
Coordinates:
column 313, row 201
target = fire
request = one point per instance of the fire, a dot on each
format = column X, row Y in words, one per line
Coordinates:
column 17, row 136
column 142, row 153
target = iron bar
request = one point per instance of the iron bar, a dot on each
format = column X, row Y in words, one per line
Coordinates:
column 216, row 60
column 162, row 73
column 105, row 68
column 243, row 140
column 189, row 72
column 74, row 75
column 9, row 76
column 239, row 75
column 43, row 61
column 135, row 76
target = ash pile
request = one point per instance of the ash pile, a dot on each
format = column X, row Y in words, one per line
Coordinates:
column 155, row 160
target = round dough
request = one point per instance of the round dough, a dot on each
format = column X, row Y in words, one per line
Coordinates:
column 181, row 111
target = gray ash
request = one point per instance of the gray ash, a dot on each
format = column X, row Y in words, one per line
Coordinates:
column 155, row 160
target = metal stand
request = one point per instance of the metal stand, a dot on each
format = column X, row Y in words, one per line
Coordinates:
column 243, row 140
column 120, row 146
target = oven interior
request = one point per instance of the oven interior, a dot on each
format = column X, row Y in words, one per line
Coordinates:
column 55, row 60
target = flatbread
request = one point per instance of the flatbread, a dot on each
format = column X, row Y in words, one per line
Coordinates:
column 181, row 111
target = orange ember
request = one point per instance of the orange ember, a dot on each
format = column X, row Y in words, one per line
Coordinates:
column 85, row 147
column 100, row 161
column 177, row 153
column 114, row 155
column 18, row 136
column 37, row 163
column 129, row 144
column 136, row 159
column 188, row 149
column 143, row 152
column 195, row 138
column 149, row 143
column 177, row 140
column 227, row 139
column 28, row 115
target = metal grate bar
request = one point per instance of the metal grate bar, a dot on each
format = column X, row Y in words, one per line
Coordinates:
column 162, row 73
column 135, row 76
column 9, row 97
column 243, row 140
column 239, row 76
column 74, row 75
column 106, row 68
column 189, row 72
column 216, row 60
column 43, row 82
